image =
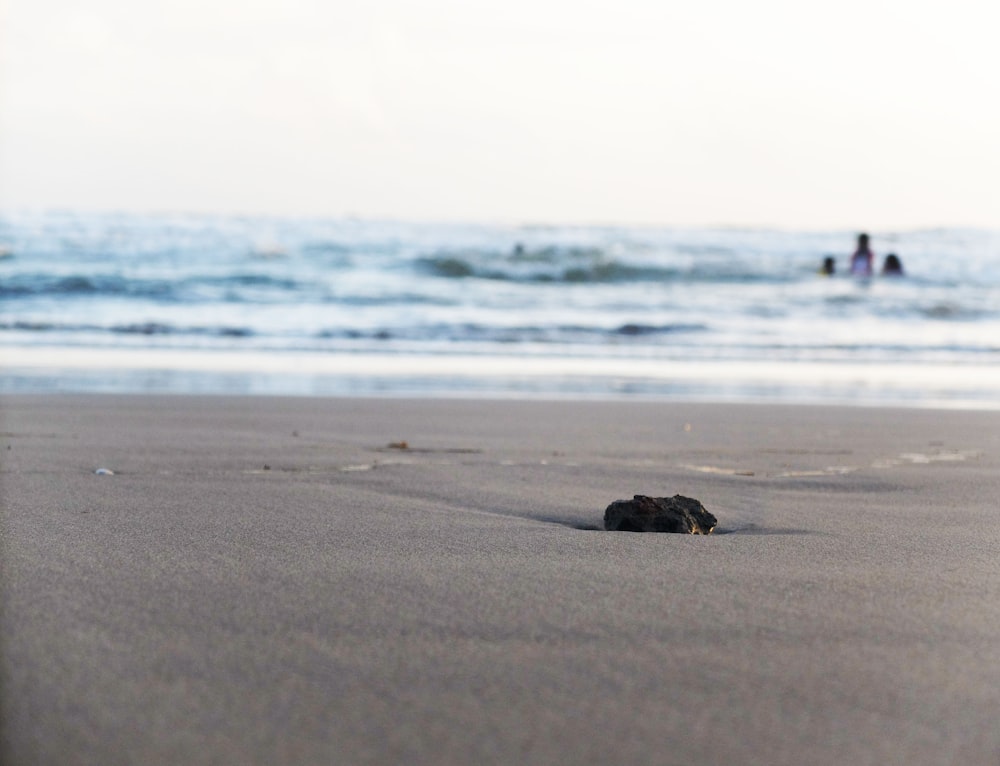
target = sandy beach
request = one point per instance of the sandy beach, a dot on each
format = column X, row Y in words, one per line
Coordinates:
column 382, row 581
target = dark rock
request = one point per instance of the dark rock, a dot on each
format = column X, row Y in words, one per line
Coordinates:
column 682, row 515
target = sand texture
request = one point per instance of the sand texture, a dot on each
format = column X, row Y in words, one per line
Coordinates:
column 338, row 581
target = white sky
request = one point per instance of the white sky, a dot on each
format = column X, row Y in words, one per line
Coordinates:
column 848, row 113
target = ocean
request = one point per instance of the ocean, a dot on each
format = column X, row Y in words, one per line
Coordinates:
column 345, row 307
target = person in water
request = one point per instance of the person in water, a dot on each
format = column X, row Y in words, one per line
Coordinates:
column 892, row 267
column 863, row 258
column 829, row 267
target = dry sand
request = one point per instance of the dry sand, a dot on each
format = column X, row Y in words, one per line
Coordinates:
column 268, row 581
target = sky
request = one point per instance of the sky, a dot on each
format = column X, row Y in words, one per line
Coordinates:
column 869, row 114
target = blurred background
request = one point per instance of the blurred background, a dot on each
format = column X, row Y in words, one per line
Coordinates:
column 546, row 198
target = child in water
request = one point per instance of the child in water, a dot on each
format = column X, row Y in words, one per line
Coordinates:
column 861, row 261
column 892, row 267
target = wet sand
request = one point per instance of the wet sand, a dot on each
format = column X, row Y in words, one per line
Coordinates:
column 268, row 580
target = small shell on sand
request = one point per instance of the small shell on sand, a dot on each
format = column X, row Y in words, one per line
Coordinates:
column 104, row 472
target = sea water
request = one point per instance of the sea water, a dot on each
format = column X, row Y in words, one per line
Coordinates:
column 190, row 303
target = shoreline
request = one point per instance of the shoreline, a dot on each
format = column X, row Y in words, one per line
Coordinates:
column 405, row 374
column 282, row 579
